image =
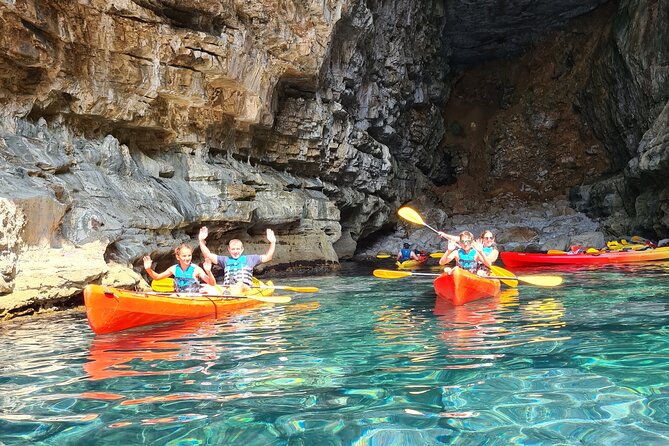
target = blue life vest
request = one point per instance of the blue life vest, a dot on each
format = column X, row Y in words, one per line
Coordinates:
column 406, row 254
column 184, row 282
column 466, row 260
column 486, row 251
column 237, row 270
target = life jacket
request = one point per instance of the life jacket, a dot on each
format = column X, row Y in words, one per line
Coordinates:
column 236, row 270
column 575, row 249
column 184, row 282
column 406, row 254
column 480, row 266
column 466, row 260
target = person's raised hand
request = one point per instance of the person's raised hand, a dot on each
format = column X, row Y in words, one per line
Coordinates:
column 147, row 262
column 204, row 232
column 270, row 236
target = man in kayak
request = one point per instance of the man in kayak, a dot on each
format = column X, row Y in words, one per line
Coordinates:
column 185, row 274
column 238, row 268
column 406, row 254
column 467, row 253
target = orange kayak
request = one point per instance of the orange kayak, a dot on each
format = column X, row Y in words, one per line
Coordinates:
column 113, row 309
column 461, row 287
column 512, row 259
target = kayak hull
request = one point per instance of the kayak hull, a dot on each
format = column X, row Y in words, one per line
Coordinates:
column 112, row 309
column 515, row 259
column 460, row 287
column 410, row 264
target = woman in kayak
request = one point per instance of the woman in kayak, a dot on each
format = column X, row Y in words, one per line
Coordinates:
column 185, row 274
column 467, row 253
column 489, row 253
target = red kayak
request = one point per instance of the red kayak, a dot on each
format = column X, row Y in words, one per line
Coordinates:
column 460, row 287
column 514, row 259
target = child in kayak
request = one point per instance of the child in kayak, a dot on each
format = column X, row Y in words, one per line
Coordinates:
column 185, row 274
column 467, row 253
column 238, row 268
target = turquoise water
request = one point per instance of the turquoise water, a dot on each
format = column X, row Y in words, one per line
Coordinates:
column 365, row 361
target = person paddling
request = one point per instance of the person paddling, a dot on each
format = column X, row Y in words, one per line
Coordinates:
column 238, row 268
column 185, row 274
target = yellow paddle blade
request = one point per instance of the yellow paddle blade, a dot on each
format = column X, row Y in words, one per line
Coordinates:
column 592, row 251
column 165, row 285
column 437, row 255
column 555, row 251
column 541, row 280
column 410, row 215
column 501, row 272
column 383, row 256
column 389, row 274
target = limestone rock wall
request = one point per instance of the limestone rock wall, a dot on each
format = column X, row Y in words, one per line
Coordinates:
column 626, row 103
column 110, row 129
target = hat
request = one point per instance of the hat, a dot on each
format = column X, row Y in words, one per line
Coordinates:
column 406, row 245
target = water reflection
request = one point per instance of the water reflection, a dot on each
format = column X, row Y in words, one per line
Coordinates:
column 192, row 345
column 498, row 323
column 134, row 352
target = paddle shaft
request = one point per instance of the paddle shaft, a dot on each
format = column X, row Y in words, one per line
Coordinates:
column 269, row 299
column 167, row 285
column 401, row 274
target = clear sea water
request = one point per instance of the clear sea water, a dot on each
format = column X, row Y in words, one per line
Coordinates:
column 365, row 361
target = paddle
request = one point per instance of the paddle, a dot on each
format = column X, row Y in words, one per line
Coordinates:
column 547, row 281
column 383, row 256
column 167, row 285
column 437, row 255
column 412, row 216
column 499, row 271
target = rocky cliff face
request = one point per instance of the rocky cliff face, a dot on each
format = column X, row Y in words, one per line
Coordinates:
column 626, row 103
column 126, row 124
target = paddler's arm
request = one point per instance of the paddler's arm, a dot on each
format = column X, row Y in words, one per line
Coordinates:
column 477, row 246
column 449, row 237
column 450, row 254
column 271, row 238
column 202, row 237
column 154, row 275
column 207, row 275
